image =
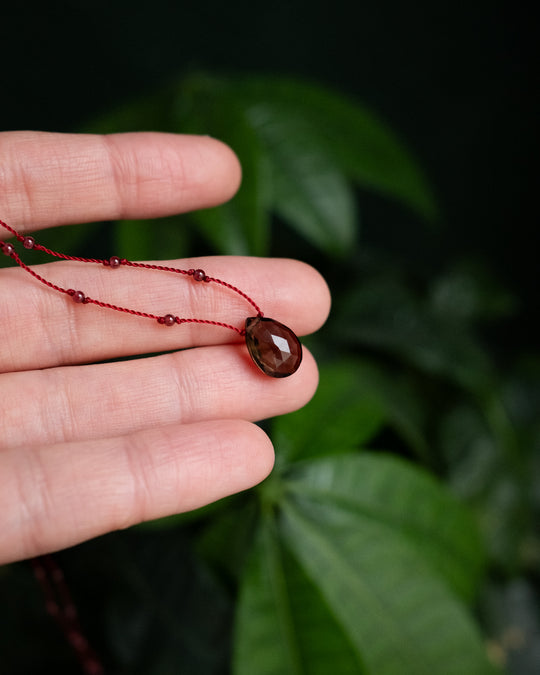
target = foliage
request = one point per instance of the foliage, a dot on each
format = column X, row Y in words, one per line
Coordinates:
column 300, row 147
column 403, row 496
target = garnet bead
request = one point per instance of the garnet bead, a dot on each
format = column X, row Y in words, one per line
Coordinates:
column 169, row 320
column 114, row 261
column 29, row 242
column 78, row 296
column 8, row 249
column 274, row 348
column 199, row 275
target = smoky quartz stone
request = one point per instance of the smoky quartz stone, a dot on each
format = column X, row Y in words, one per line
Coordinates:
column 274, row 348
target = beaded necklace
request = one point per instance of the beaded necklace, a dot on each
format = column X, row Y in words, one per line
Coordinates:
column 273, row 347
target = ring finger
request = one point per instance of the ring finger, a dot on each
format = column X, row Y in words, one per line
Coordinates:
column 61, row 404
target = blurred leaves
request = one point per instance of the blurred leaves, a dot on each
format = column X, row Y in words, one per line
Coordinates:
column 511, row 610
column 155, row 619
column 385, row 314
column 302, row 148
column 368, row 151
column 468, row 292
column 343, row 397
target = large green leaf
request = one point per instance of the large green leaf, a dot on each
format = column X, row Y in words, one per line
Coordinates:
column 286, row 170
column 389, row 550
column 398, row 614
column 359, row 143
column 404, row 503
column 309, row 189
column 241, row 226
column 362, row 569
column 300, row 146
column 283, row 625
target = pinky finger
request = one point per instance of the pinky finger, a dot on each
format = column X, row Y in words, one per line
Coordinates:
column 61, row 495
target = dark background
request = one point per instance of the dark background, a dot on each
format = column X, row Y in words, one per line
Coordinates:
column 457, row 83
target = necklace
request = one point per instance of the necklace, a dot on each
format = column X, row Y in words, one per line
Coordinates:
column 273, row 347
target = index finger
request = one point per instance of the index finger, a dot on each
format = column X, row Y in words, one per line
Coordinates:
column 56, row 179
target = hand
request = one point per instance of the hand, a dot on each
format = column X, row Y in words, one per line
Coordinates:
column 87, row 448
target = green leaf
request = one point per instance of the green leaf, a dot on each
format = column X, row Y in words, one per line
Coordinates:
column 354, row 402
column 360, row 572
column 201, row 105
column 242, row 226
column 359, row 143
column 395, row 611
column 385, row 315
column 309, row 189
column 403, row 404
column 342, row 415
column 386, row 548
column 299, row 145
column 283, row 625
column 407, row 505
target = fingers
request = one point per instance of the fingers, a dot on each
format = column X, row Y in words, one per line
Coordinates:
column 62, row 404
column 71, row 492
column 58, row 331
column 55, row 179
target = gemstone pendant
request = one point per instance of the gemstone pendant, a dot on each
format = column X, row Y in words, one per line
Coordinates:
column 274, row 348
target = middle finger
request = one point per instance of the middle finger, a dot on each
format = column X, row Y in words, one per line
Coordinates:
column 58, row 331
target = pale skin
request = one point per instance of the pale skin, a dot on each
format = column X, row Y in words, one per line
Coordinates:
column 87, row 448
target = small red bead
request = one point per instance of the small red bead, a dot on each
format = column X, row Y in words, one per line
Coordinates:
column 114, row 261
column 78, row 296
column 8, row 249
column 199, row 275
column 29, row 242
column 168, row 320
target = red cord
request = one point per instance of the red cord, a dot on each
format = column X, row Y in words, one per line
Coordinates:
column 59, row 604
column 78, row 296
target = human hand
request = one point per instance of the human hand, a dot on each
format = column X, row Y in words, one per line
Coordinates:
column 86, row 449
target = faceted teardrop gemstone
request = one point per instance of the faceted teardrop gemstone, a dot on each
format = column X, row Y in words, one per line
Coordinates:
column 272, row 346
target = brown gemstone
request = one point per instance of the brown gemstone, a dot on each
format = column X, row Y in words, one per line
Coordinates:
column 272, row 346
